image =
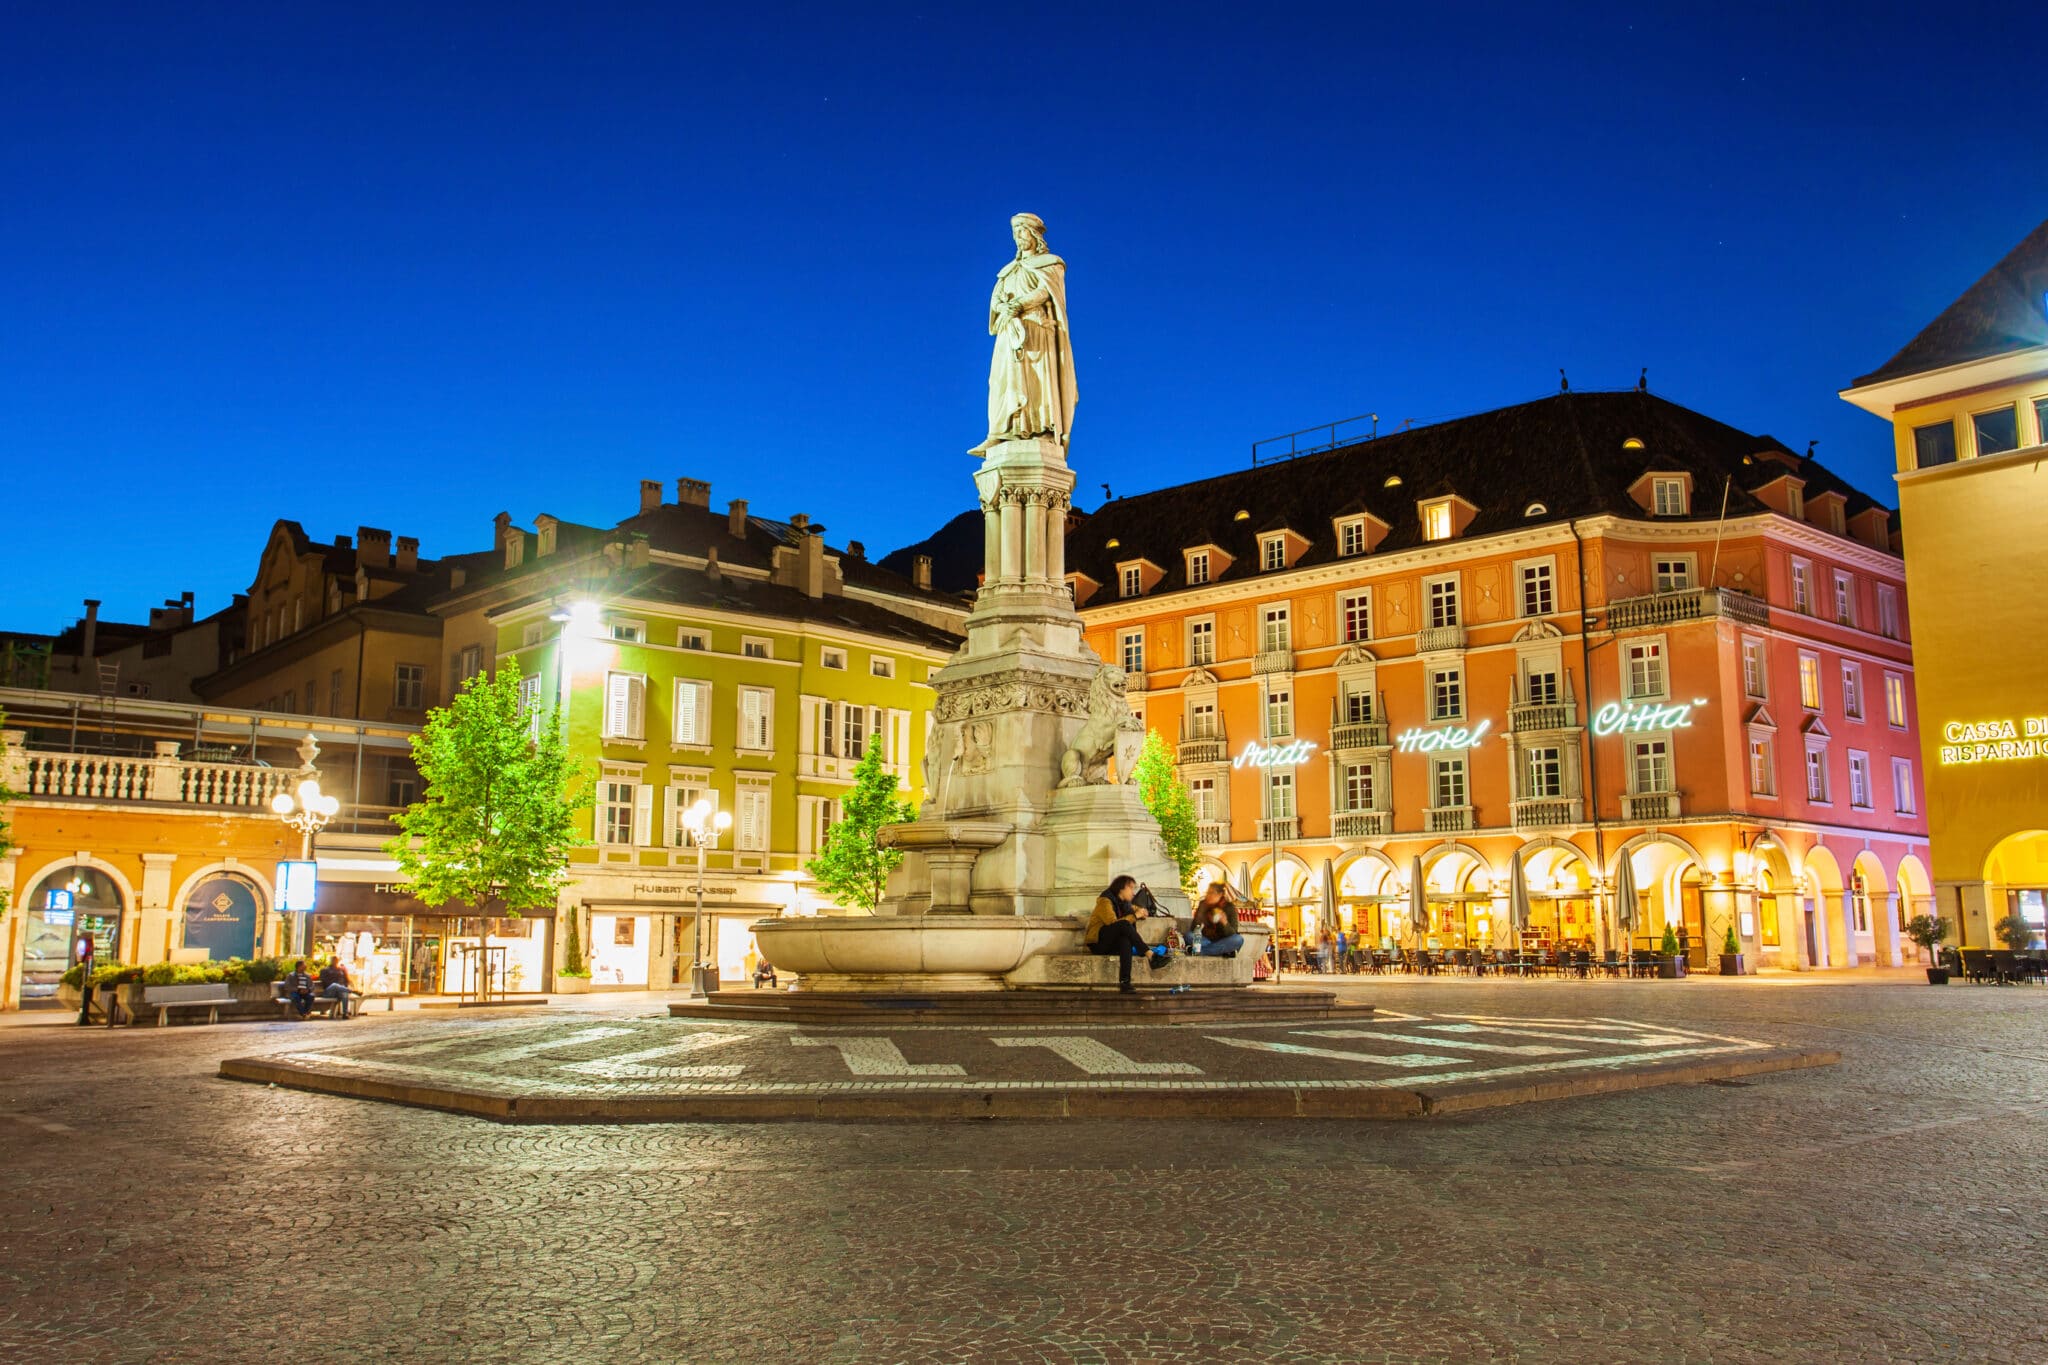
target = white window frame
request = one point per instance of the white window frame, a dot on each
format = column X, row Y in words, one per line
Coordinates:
column 1432, row 599
column 1810, row 695
column 1276, row 712
column 622, row 631
column 409, row 680
column 1351, row 537
column 831, row 657
column 1272, row 553
column 1130, row 580
column 1653, row 753
column 1544, row 762
column 1888, row 611
column 531, row 633
column 529, row 704
column 1802, row 587
column 1819, row 786
column 1844, row 588
column 1862, row 791
column 1763, row 781
column 1895, row 712
column 764, row 698
column 881, row 666
column 1130, row 650
column 1436, row 520
column 1756, row 651
column 753, row 817
column 1684, row 580
column 1646, row 668
column 1439, row 688
column 1203, row 721
column 692, row 637
column 1852, row 690
column 685, row 790
column 1276, row 628
column 696, row 710
column 1442, row 769
column 1540, row 574
column 1354, row 616
column 1905, row 798
column 1201, row 641
column 1668, row 496
column 1202, row 792
column 1198, row 568
column 1279, row 781
column 756, row 647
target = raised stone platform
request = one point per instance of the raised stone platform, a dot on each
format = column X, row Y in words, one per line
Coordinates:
column 599, row 1069
column 1154, row 1005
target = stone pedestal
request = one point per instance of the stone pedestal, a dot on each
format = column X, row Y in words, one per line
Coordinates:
column 1098, row 833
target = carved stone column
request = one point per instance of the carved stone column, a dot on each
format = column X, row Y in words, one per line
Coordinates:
column 1034, row 534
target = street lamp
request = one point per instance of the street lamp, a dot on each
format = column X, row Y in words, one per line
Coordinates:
column 703, row 825
column 307, row 810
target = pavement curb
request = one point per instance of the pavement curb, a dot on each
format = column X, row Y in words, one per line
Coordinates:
column 1218, row 1102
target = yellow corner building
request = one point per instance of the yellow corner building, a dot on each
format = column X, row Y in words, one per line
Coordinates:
column 1968, row 402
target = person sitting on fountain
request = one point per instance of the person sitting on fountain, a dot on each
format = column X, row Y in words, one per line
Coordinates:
column 1113, row 928
column 1214, row 932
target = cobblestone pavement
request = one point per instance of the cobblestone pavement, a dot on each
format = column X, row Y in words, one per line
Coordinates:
column 1885, row 1209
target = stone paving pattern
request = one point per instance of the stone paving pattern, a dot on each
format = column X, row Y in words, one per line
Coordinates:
column 1888, row 1208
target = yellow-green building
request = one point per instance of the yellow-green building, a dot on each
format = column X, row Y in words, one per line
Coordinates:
column 1968, row 402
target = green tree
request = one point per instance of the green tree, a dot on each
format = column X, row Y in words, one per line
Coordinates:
column 497, row 819
column 853, row 868
column 1166, row 796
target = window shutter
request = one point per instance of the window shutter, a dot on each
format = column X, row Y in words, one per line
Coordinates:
column 636, row 706
column 690, row 719
column 643, row 814
column 616, row 692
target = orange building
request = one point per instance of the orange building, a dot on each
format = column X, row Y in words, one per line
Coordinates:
column 1594, row 628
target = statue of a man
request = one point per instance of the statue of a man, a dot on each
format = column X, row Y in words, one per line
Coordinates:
column 1031, row 377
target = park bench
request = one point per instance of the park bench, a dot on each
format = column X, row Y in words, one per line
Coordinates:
column 1074, row 965
column 164, row 999
column 322, row 1004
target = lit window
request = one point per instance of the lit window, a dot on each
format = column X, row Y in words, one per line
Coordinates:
column 1903, row 800
column 1646, row 669
column 1447, row 783
column 1544, row 774
column 1754, row 671
column 1669, row 496
column 1763, row 772
column 1202, row 720
column 1934, row 444
column 1201, row 642
column 1443, row 602
column 1436, row 521
column 1275, row 633
column 1673, row 575
column 1131, row 647
column 1279, row 713
column 1997, row 431
column 1133, row 580
column 1351, row 538
column 1895, row 700
column 1355, row 610
column 1446, row 693
column 1852, row 691
column 1273, row 553
column 1280, row 795
column 1198, row 568
column 1537, row 590
column 1809, row 682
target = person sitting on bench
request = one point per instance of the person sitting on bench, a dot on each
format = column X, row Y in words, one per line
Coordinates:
column 1215, row 927
column 1113, row 928
column 334, row 985
column 298, row 988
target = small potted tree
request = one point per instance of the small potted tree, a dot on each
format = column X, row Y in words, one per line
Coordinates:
column 1930, row 931
column 1670, row 962
column 2015, row 933
column 1731, row 953
column 573, row 978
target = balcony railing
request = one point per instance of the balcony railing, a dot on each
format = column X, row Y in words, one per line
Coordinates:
column 1688, row 604
column 1207, row 749
column 164, row 778
column 1449, row 819
column 1134, row 680
column 1271, row 831
column 1211, row 832
column 1543, row 715
column 1545, row 812
column 1649, row 806
column 1359, row 734
column 1435, row 639
column 1362, row 824
column 1273, row 661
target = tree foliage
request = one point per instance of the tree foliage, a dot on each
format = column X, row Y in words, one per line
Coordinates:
column 1167, row 797
column 497, row 819
column 853, row 868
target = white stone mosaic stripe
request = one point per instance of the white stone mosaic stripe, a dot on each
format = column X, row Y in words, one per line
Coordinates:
column 1099, row 1059
column 866, row 1055
column 1460, row 1044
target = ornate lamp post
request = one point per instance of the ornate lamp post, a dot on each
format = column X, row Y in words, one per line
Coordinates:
column 307, row 810
column 703, row 825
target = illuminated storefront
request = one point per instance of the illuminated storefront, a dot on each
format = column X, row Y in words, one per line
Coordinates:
column 392, row 942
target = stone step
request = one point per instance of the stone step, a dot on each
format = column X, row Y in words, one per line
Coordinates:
column 1151, row 1003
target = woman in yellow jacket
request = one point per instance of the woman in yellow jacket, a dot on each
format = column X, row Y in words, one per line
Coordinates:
column 1113, row 928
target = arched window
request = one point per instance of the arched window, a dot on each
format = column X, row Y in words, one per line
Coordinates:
column 66, row 904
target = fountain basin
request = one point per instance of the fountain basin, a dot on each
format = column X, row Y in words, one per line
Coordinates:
column 909, row 952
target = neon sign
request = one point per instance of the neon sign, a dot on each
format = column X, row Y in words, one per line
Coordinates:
column 1637, row 716
column 1994, row 741
column 1289, row 755
column 1420, row 741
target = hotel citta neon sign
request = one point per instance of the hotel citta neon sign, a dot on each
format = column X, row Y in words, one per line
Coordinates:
column 1292, row 754
column 1638, row 716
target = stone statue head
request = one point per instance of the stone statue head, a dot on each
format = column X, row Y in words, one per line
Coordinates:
column 1028, row 230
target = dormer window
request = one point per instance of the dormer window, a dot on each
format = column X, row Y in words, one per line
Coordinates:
column 1669, row 494
column 1795, row 500
column 1351, row 537
column 1834, row 517
column 1131, row 582
column 1272, row 553
column 1198, row 568
column 1436, row 520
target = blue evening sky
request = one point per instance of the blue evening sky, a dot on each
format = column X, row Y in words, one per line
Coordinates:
column 405, row 266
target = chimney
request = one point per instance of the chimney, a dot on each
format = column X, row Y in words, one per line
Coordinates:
column 856, row 551
column 408, row 554
column 811, row 565
column 921, row 571
column 92, row 628
column 636, row 551
column 736, row 518
column 373, row 547
column 799, row 520
column 711, row 563
column 650, row 494
column 693, row 492
column 342, row 542
column 499, row 525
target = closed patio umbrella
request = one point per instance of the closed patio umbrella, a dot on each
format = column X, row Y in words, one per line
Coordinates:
column 1625, row 898
column 1518, row 900
column 1418, row 899
column 1330, row 896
